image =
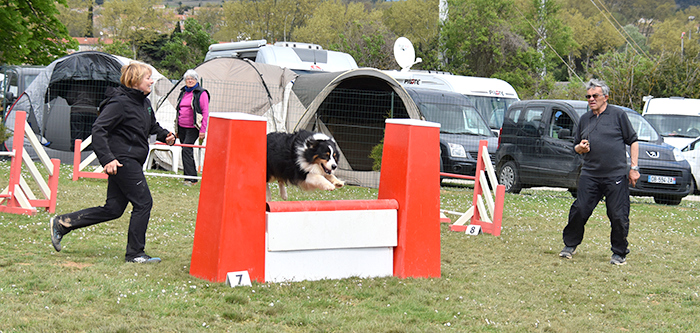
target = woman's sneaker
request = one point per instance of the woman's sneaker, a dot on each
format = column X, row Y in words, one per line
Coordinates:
column 144, row 259
column 617, row 259
column 567, row 252
column 57, row 232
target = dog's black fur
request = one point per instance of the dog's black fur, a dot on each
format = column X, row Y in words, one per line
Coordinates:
column 304, row 159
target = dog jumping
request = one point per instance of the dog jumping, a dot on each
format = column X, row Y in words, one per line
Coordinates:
column 304, row 159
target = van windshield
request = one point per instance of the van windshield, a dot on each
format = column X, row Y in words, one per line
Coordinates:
column 645, row 132
column 492, row 108
column 455, row 119
column 681, row 126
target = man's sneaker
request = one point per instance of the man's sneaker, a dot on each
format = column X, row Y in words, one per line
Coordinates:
column 567, row 252
column 617, row 259
column 56, row 233
column 144, row 259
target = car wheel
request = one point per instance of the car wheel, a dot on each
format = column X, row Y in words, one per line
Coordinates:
column 509, row 177
column 672, row 201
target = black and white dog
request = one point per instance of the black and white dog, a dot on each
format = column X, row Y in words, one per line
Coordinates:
column 304, row 159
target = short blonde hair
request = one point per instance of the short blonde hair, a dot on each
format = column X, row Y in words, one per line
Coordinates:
column 134, row 73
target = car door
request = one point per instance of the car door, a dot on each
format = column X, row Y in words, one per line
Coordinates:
column 529, row 140
column 558, row 161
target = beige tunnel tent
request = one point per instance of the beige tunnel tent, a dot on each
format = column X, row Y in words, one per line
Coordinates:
column 352, row 107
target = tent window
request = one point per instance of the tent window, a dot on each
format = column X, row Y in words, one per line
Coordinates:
column 356, row 118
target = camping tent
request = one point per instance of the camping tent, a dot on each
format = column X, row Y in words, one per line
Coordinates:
column 352, row 106
column 237, row 85
column 74, row 83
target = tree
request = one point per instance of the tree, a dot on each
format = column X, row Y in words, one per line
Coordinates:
column 478, row 38
column 31, row 32
column 209, row 17
column 592, row 35
column 418, row 21
column 273, row 20
column 125, row 19
column 75, row 17
column 186, row 49
column 352, row 29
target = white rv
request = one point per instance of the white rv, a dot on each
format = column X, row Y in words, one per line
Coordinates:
column 676, row 118
column 490, row 96
column 299, row 57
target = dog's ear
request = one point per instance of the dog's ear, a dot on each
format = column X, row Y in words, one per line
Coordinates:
column 311, row 144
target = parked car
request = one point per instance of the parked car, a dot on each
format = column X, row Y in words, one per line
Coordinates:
column 461, row 128
column 691, row 152
column 536, row 148
column 15, row 80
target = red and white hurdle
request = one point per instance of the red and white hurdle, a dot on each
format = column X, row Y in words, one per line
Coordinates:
column 487, row 209
column 80, row 166
column 17, row 197
column 237, row 231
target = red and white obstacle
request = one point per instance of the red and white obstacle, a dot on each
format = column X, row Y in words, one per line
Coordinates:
column 487, row 207
column 18, row 197
column 237, row 231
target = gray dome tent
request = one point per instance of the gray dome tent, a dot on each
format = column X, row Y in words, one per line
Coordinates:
column 76, row 81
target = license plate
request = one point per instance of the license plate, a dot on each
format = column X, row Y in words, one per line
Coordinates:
column 662, row 180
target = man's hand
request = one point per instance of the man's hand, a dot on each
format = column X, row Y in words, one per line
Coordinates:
column 170, row 139
column 111, row 167
column 634, row 176
column 583, row 147
column 202, row 135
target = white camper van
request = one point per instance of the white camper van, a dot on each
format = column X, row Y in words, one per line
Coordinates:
column 299, row 57
column 490, row 96
column 676, row 118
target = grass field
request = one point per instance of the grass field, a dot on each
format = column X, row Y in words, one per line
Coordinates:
column 512, row 283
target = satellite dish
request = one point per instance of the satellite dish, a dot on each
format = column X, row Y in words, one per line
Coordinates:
column 404, row 53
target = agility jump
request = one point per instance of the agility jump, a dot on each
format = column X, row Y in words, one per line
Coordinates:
column 238, row 231
column 79, row 166
column 18, row 197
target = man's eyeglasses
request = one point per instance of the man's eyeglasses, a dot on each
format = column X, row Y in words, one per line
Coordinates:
column 594, row 96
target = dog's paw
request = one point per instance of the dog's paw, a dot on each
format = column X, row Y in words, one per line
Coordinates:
column 328, row 186
column 339, row 183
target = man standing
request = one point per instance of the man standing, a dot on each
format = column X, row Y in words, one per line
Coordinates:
column 602, row 135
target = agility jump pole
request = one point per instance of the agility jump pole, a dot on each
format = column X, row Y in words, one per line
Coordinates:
column 233, row 217
column 18, row 197
column 489, row 215
column 98, row 172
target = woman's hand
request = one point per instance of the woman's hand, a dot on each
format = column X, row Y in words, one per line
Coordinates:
column 202, row 135
column 170, row 139
column 111, row 167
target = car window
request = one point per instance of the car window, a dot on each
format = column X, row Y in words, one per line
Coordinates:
column 532, row 117
column 560, row 121
column 514, row 115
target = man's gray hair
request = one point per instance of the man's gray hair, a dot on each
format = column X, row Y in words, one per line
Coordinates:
column 598, row 83
column 191, row 73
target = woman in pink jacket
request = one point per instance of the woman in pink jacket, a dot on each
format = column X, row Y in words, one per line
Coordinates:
column 192, row 115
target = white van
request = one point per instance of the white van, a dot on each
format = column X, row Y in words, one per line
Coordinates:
column 676, row 118
column 299, row 57
column 490, row 96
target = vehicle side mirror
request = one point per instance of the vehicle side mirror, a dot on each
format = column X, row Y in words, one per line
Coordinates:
column 565, row 134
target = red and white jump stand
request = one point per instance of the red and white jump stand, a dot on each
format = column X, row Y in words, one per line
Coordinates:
column 237, row 231
column 489, row 215
column 18, row 198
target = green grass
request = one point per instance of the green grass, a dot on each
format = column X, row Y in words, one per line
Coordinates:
column 512, row 283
